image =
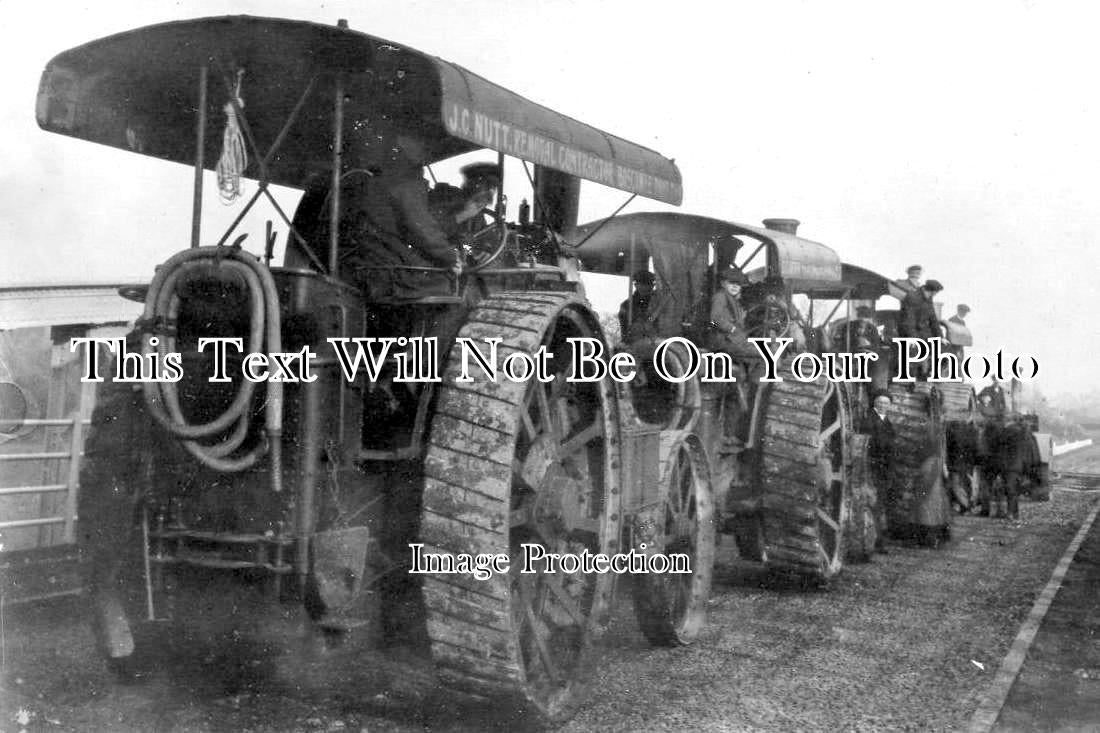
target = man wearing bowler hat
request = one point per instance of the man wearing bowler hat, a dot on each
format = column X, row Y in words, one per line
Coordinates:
column 727, row 315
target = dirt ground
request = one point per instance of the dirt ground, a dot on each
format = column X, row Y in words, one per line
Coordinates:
column 908, row 642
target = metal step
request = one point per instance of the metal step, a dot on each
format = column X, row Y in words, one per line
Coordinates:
column 216, row 561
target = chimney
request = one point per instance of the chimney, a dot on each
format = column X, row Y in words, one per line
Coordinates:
column 790, row 226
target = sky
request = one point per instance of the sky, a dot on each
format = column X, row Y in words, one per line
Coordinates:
column 962, row 136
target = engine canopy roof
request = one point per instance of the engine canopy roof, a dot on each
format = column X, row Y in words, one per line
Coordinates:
column 802, row 264
column 139, row 91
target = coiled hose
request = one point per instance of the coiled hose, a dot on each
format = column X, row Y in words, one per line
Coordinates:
column 162, row 305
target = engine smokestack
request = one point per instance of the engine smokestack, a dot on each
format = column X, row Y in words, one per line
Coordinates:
column 789, row 226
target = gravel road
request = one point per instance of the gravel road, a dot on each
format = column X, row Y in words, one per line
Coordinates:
column 908, row 642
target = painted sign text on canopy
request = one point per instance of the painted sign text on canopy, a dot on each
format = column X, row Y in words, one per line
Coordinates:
column 482, row 129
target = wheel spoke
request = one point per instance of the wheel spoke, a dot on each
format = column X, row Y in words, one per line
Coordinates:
column 581, row 438
column 566, row 601
column 831, row 475
column 829, row 521
column 828, row 432
column 519, row 478
column 528, row 424
column 546, row 415
column 523, row 515
column 539, row 632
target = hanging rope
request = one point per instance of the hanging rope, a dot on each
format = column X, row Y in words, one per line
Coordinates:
column 234, row 158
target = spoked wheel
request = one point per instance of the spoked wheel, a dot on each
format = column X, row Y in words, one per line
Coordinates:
column 672, row 405
column 522, row 470
column 672, row 607
column 862, row 528
column 804, row 443
column 919, row 506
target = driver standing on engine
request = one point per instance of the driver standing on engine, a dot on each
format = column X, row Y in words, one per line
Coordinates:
column 394, row 227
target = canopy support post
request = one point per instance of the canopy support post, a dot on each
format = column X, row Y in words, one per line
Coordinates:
column 847, row 329
column 630, row 286
column 262, row 162
column 750, row 258
column 500, row 189
column 200, row 151
column 605, row 221
column 337, row 167
column 844, row 298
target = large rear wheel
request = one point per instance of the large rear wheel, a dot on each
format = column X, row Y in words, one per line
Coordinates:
column 919, row 506
column 804, row 444
column 518, row 469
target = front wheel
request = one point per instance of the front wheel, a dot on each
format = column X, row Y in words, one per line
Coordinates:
column 671, row 607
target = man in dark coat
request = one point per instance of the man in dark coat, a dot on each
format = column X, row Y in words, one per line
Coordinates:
column 917, row 319
column 995, row 405
column 727, row 316
column 912, row 280
column 388, row 218
column 1014, row 452
column 459, row 210
column 880, row 457
column 958, row 335
column 862, row 333
column 639, row 314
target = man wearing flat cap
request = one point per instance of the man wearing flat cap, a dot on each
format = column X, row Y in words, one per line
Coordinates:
column 913, row 275
column 912, row 282
column 458, row 210
column 727, row 314
column 958, row 334
column 639, row 314
column 862, row 332
column 918, row 315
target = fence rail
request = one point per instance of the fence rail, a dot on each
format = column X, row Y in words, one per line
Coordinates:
column 70, row 487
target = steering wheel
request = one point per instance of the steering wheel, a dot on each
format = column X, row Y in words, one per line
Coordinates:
column 483, row 247
column 772, row 320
